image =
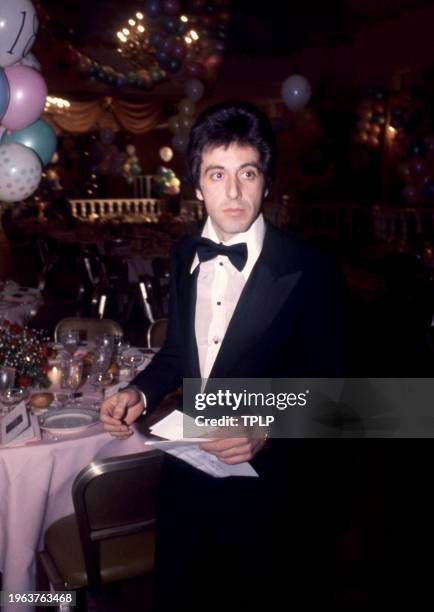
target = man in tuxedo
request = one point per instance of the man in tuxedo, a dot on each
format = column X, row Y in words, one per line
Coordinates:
column 246, row 301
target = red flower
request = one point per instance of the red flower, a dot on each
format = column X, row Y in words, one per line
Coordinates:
column 24, row 381
column 16, row 329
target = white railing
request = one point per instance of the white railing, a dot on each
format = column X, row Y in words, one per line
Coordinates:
column 100, row 208
column 402, row 223
column 142, row 186
column 192, row 210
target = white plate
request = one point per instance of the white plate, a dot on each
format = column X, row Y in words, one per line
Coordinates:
column 67, row 421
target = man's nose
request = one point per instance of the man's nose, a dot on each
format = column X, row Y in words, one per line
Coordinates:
column 233, row 188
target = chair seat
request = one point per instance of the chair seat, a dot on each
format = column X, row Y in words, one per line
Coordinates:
column 121, row 558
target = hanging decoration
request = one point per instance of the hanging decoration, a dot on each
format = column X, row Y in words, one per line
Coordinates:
column 165, row 40
column 371, row 118
column 27, row 142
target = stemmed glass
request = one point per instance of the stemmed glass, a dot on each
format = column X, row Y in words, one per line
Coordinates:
column 72, row 374
column 132, row 360
column 7, row 379
column 70, row 339
column 99, row 377
column 106, row 340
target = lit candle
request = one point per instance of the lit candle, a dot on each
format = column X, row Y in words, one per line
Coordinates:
column 54, row 376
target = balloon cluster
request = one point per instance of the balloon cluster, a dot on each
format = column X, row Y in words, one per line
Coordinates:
column 181, row 123
column 131, row 167
column 418, row 172
column 105, row 157
column 27, row 142
column 168, row 38
column 371, row 118
column 166, row 182
column 413, row 131
column 296, row 92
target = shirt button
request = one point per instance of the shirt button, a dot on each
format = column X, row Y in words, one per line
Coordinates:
column 219, row 303
column 216, row 341
column 221, row 263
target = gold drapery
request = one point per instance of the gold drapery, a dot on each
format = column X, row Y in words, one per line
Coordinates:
column 81, row 117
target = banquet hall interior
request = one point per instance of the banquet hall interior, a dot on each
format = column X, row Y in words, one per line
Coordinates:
column 349, row 88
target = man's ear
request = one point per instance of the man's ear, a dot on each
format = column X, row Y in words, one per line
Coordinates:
column 199, row 195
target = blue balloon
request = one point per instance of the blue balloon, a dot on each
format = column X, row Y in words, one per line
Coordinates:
column 4, row 93
column 38, row 136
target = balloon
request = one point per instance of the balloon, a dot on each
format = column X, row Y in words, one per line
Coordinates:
column 166, row 154
column 174, row 123
column 4, row 93
column 153, row 8
column 20, row 172
column 180, row 142
column 106, row 136
column 417, row 149
column 28, row 93
column 186, row 107
column 419, row 169
column 411, row 194
column 194, row 89
column 171, row 7
column 428, row 191
column 18, row 28
column 30, row 61
column 296, row 92
column 186, row 123
column 131, row 149
column 38, row 136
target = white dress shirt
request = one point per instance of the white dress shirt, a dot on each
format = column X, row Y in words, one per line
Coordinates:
column 219, row 286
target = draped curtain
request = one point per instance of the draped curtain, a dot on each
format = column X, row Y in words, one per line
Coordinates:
column 81, row 117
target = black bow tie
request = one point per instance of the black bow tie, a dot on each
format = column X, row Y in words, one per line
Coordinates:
column 237, row 253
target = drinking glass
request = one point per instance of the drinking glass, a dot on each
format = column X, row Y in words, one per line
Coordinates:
column 72, row 374
column 132, row 360
column 70, row 339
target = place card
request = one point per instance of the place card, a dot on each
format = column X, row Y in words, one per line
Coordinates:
column 14, row 423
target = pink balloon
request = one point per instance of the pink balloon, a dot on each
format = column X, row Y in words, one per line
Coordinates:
column 28, row 92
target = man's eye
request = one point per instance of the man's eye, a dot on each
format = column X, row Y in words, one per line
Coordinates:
column 216, row 176
column 250, row 174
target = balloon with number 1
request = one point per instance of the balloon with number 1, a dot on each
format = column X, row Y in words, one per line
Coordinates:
column 26, row 141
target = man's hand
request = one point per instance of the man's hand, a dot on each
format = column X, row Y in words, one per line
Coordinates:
column 119, row 411
column 234, row 450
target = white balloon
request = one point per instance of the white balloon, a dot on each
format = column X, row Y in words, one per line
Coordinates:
column 20, row 172
column 180, row 142
column 166, row 154
column 296, row 92
column 30, row 61
column 18, row 29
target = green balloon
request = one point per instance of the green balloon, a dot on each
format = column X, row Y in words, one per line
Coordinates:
column 38, row 136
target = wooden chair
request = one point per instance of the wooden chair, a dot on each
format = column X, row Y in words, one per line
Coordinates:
column 89, row 328
column 110, row 537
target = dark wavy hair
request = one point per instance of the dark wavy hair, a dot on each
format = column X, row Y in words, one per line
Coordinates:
column 231, row 122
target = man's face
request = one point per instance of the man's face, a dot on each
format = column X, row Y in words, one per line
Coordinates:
column 232, row 187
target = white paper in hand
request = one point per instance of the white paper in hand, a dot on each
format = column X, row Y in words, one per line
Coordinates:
column 187, row 449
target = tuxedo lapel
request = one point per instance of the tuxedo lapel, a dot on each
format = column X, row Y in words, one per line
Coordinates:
column 187, row 306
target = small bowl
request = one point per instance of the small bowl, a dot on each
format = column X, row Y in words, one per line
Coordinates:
column 12, row 396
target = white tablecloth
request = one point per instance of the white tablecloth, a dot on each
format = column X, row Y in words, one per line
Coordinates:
column 35, row 491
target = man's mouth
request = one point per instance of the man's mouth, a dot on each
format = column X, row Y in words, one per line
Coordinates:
column 234, row 212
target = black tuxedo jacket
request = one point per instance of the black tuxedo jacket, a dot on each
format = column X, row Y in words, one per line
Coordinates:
column 288, row 323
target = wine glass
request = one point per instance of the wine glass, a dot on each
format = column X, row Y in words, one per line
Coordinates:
column 98, row 373
column 7, row 379
column 107, row 340
column 11, row 396
column 132, row 360
column 72, row 374
column 70, row 339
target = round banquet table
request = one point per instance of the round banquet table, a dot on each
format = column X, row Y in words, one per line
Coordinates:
column 35, row 491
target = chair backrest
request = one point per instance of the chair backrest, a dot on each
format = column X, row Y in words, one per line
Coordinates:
column 89, row 328
column 115, row 497
column 157, row 332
